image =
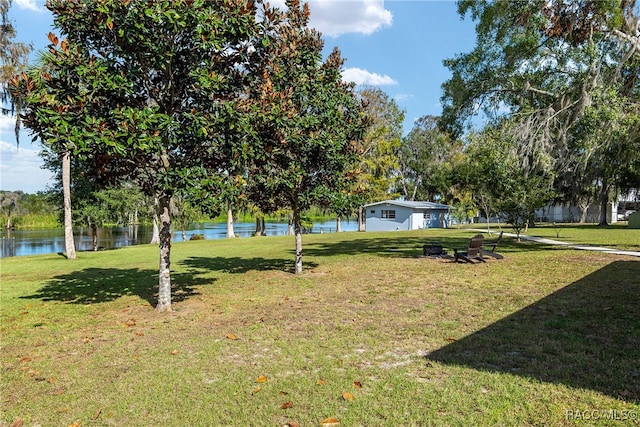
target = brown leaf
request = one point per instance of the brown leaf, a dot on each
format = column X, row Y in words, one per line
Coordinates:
column 76, row 424
column 262, row 379
column 174, row 352
column 25, row 360
column 451, row 339
column 256, row 390
column 357, row 384
column 232, row 336
column 17, row 423
column 52, row 380
column 53, row 39
column 347, row 396
column 286, row 405
column 283, row 393
column 321, row 381
column 291, row 424
column 330, row 422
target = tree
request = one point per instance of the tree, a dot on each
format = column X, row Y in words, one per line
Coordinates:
column 149, row 84
column 309, row 124
column 9, row 204
column 499, row 179
column 378, row 161
column 426, row 156
column 14, row 58
column 543, row 64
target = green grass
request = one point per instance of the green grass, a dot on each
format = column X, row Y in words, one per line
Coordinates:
column 518, row 341
column 616, row 236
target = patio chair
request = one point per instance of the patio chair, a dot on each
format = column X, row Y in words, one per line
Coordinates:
column 471, row 252
column 489, row 248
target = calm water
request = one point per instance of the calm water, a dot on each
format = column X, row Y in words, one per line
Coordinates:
column 32, row 242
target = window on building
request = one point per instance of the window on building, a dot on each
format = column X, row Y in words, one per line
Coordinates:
column 388, row 214
column 373, row 211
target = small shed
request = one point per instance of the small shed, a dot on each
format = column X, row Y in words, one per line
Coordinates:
column 392, row 215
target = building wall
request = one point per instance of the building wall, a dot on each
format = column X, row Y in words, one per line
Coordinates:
column 405, row 218
column 375, row 222
column 563, row 213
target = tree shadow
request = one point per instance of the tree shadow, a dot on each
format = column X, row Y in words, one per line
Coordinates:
column 242, row 265
column 586, row 335
column 410, row 246
column 97, row 285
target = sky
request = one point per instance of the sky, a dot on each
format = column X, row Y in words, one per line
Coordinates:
column 397, row 46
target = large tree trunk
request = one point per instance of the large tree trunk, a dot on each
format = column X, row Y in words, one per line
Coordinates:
column 298, row 232
column 604, row 203
column 361, row 218
column 230, row 232
column 164, row 274
column 338, row 224
column 69, row 244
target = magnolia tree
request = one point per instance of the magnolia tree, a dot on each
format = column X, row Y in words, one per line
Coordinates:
column 152, row 85
column 309, row 124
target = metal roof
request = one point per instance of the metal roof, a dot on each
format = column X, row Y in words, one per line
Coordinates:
column 410, row 204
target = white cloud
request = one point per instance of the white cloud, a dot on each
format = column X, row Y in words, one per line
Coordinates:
column 364, row 77
column 19, row 168
column 27, row 4
column 335, row 17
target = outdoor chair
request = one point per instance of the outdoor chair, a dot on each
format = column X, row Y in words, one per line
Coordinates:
column 471, row 252
column 489, row 248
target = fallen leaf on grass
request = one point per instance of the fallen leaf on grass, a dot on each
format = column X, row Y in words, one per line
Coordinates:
column 232, row 336
column 262, row 378
column 52, row 380
column 174, row 352
column 25, row 360
column 283, row 393
column 321, row 381
column 256, row 390
column 130, row 323
column 76, row 424
column 17, row 423
column 451, row 339
column 291, row 424
column 286, row 405
column 330, row 422
column 347, row 396
column 357, row 384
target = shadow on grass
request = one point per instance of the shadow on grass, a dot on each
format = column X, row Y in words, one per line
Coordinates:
column 586, row 335
column 242, row 265
column 96, row 285
column 410, row 246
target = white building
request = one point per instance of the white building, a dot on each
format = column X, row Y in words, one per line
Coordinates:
column 392, row 215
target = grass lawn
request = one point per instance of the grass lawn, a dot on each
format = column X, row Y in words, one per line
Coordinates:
column 370, row 334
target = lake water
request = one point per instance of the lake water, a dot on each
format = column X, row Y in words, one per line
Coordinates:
column 45, row 241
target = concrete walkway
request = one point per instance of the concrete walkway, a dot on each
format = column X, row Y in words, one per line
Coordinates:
column 570, row 245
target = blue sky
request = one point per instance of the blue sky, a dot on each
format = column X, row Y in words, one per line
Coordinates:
column 396, row 45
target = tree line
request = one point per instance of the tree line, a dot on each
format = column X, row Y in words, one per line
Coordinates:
column 229, row 105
